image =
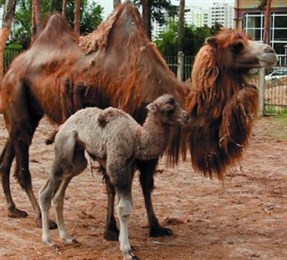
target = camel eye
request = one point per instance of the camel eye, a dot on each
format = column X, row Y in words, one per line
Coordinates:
column 238, row 47
column 170, row 111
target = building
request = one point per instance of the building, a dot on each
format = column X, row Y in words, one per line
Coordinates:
column 251, row 18
column 196, row 16
column 221, row 13
column 157, row 29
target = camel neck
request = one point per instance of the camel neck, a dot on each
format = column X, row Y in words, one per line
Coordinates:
column 152, row 138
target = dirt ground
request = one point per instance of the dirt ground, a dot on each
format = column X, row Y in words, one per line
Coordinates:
column 244, row 218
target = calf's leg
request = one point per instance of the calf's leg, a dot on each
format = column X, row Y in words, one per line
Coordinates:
column 79, row 164
column 45, row 198
column 124, row 210
column 111, row 232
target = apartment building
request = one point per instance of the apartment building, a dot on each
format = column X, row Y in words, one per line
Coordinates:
column 251, row 18
column 221, row 13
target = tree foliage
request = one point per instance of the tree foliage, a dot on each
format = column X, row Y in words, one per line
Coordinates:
column 262, row 4
column 159, row 9
column 193, row 39
column 91, row 17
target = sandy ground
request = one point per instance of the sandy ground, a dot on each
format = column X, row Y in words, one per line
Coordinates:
column 244, row 218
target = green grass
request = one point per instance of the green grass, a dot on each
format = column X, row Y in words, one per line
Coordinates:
column 275, row 121
column 279, row 128
column 275, row 110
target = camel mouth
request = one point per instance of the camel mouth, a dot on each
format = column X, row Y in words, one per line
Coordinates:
column 185, row 120
column 268, row 60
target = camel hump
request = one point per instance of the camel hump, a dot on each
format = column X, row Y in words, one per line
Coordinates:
column 57, row 31
column 124, row 22
column 57, row 22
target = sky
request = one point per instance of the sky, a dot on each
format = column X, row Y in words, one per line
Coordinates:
column 108, row 4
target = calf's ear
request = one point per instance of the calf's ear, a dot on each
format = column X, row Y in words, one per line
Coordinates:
column 152, row 107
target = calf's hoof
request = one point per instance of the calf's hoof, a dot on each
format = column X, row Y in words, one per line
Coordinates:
column 16, row 213
column 130, row 256
column 72, row 241
column 158, row 231
column 111, row 234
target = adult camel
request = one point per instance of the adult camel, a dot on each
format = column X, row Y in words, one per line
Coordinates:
column 120, row 67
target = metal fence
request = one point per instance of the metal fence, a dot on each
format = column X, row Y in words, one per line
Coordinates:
column 274, row 87
column 275, row 90
column 9, row 55
column 173, row 64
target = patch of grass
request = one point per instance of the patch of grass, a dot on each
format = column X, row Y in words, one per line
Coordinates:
column 280, row 126
column 274, row 123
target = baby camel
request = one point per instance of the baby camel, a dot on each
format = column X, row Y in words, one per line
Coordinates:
column 115, row 140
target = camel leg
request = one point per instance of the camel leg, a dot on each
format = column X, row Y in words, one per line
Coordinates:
column 58, row 202
column 124, row 210
column 22, row 173
column 111, row 231
column 147, row 169
column 79, row 164
column 6, row 160
column 121, row 176
column 22, row 127
column 45, row 198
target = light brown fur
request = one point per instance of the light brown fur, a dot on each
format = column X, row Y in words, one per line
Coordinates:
column 116, row 145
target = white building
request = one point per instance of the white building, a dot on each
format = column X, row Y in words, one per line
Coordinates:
column 193, row 16
column 222, row 13
column 196, row 16
column 157, row 29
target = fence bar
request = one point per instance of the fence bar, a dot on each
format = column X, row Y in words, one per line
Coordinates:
column 180, row 65
column 261, row 85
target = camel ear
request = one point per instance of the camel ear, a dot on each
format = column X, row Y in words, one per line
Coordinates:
column 211, row 41
column 152, row 107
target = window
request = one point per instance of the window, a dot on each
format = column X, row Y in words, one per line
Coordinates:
column 254, row 27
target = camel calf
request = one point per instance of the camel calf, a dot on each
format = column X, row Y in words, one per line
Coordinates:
column 115, row 140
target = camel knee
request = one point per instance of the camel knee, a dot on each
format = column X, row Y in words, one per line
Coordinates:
column 124, row 208
column 44, row 199
column 23, row 177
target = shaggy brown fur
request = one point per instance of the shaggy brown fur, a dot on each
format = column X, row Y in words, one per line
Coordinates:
column 56, row 78
column 221, row 102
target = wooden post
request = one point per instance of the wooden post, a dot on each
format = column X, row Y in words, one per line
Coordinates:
column 180, row 65
column 261, row 90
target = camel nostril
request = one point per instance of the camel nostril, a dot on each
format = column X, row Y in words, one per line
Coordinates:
column 269, row 49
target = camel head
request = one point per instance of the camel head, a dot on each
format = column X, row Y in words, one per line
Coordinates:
column 168, row 111
column 235, row 51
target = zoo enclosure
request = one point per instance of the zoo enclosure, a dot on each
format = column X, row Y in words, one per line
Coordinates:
column 273, row 92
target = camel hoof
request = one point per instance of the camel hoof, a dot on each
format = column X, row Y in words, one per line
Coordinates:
column 52, row 224
column 72, row 241
column 53, row 246
column 111, row 234
column 17, row 213
column 130, row 256
column 158, row 231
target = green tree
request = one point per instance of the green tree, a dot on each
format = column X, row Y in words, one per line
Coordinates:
column 91, row 17
column 192, row 40
column 156, row 10
column 7, row 17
